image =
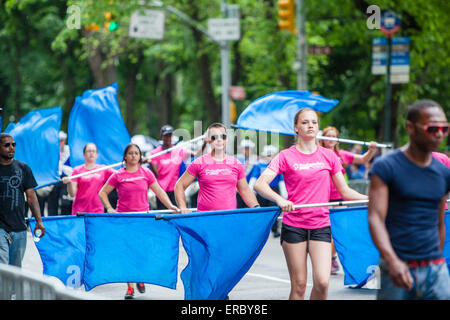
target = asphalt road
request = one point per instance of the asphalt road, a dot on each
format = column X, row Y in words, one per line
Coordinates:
column 268, row 279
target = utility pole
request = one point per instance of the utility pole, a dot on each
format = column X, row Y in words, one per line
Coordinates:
column 225, row 71
column 302, row 79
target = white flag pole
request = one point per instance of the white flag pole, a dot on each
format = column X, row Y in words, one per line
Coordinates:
column 364, row 143
column 179, row 145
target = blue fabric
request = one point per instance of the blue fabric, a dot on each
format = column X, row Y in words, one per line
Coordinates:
column 275, row 112
column 446, row 250
column 259, row 168
column 413, row 199
column 36, row 135
column 221, row 246
column 96, row 117
column 356, row 250
column 62, row 248
column 130, row 248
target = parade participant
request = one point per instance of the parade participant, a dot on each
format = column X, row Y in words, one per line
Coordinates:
column 346, row 158
column 85, row 189
column 166, row 167
column 16, row 180
column 132, row 183
column 408, row 190
column 307, row 169
column 218, row 173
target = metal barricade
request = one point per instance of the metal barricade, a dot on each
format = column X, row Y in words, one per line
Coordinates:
column 19, row 284
column 360, row 185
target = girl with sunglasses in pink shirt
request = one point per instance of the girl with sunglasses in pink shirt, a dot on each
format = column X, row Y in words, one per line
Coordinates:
column 218, row 173
column 308, row 170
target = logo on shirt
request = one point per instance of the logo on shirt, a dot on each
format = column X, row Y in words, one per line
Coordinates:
column 307, row 166
column 132, row 179
column 218, row 172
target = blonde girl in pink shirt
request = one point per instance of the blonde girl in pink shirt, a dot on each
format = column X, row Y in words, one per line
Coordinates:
column 307, row 169
column 132, row 183
column 218, row 173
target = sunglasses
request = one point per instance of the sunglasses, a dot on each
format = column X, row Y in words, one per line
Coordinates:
column 433, row 129
column 216, row 136
column 8, row 144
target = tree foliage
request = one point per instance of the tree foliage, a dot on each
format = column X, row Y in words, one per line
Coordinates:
column 177, row 80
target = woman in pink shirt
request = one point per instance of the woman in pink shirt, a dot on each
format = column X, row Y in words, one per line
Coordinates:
column 346, row 158
column 219, row 174
column 307, row 169
column 85, row 189
column 132, row 183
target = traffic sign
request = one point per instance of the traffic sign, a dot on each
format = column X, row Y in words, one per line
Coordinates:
column 328, row 50
column 148, row 25
column 237, row 93
column 224, row 29
column 390, row 23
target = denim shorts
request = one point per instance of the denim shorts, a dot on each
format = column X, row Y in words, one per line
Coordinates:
column 12, row 247
column 429, row 283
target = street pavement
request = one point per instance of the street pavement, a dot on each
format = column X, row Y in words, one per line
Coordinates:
column 267, row 279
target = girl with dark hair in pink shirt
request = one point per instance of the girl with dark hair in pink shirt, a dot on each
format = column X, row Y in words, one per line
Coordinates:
column 132, row 183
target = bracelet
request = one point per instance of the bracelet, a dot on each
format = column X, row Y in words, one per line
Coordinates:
column 257, row 206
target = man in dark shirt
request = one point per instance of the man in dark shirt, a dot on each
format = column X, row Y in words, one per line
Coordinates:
column 408, row 190
column 16, row 179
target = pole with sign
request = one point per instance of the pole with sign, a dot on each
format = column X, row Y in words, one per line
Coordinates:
column 390, row 24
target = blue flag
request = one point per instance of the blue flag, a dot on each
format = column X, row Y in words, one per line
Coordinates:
column 62, row 248
column 356, row 250
column 275, row 112
column 446, row 250
column 36, row 135
column 96, row 117
column 130, row 248
column 221, row 246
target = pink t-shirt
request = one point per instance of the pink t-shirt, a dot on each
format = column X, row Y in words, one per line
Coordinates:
column 217, row 181
column 445, row 160
column 307, row 178
column 132, row 189
column 168, row 166
column 87, row 199
column 347, row 157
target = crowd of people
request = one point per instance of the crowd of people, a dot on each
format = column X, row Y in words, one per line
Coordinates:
column 410, row 186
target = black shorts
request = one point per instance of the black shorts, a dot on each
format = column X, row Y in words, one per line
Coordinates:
column 292, row 234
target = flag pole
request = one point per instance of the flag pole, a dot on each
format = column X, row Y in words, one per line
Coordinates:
column 179, row 145
column 364, row 143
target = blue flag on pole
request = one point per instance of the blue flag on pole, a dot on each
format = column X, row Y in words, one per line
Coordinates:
column 446, row 250
column 356, row 250
column 36, row 135
column 221, row 246
column 130, row 248
column 96, row 117
column 62, row 248
column 275, row 112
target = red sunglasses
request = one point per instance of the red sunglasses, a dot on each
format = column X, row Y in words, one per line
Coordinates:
column 433, row 129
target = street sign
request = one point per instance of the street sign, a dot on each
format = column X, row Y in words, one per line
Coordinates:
column 328, row 50
column 390, row 23
column 400, row 61
column 147, row 25
column 237, row 93
column 224, row 29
